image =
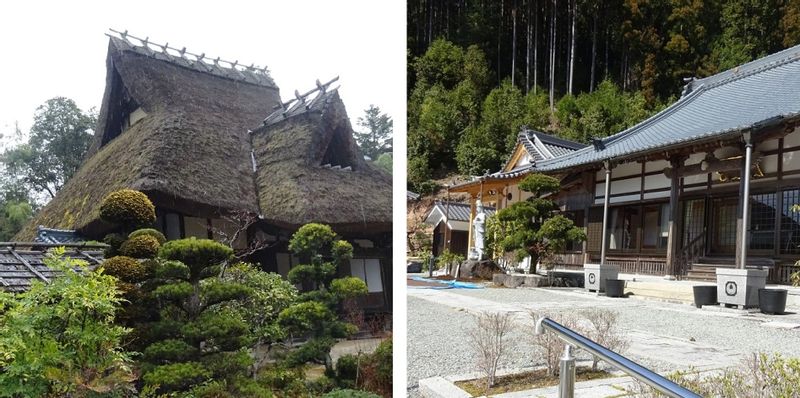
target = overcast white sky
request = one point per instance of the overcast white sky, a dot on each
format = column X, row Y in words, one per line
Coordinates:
column 58, row 48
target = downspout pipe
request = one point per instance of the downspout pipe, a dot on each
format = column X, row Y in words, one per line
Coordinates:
column 604, row 241
column 748, row 154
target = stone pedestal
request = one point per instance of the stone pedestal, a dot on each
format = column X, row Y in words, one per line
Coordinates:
column 595, row 276
column 739, row 287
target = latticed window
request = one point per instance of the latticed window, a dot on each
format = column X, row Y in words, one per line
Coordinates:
column 694, row 221
column 762, row 221
column 790, row 223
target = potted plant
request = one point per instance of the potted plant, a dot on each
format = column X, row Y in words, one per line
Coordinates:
column 772, row 301
column 615, row 287
column 705, row 295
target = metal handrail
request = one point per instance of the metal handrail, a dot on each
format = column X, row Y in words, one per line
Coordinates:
column 633, row 369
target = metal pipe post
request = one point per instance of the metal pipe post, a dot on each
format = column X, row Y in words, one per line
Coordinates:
column 748, row 153
column 604, row 241
column 566, row 374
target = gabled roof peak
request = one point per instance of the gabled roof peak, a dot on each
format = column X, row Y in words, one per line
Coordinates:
column 200, row 62
column 314, row 99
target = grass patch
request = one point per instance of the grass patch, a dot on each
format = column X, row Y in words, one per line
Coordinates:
column 526, row 381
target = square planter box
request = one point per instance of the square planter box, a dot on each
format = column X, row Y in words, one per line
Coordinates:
column 595, row 276
column 740, row 286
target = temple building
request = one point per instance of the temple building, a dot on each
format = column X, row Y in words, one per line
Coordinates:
column 707, row 183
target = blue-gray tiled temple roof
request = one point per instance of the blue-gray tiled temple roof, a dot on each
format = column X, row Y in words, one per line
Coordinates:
column 753, row 95
column 52, row 235
column 458, row 211
column 541, row 146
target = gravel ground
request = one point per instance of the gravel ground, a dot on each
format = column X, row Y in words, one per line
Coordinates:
column 438, row 334
column 438, row 343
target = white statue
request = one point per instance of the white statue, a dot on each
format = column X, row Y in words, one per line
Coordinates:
column 478, row 232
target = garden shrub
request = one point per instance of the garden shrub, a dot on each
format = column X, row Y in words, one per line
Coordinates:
column 199, row 338
column 348, row 287
column 376, row 370
column 150, row 232
column 142, row 246
column 126, row 269
column 350, row 394
column 114, row 241
column 347, row 367
column 59, row 338
column 128, row 208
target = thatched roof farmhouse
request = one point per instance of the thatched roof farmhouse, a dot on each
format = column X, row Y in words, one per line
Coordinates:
column 206, row 138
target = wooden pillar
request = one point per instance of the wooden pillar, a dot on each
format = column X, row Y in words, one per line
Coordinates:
column 469, row 226
column 673, row 246
column 606, row 201
column 743, row 219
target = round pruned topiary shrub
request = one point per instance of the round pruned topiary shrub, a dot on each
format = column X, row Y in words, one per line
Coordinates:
column 126, row 269
column 142, row 246
column 197, row 254
column 149, row 232
column 128, row 208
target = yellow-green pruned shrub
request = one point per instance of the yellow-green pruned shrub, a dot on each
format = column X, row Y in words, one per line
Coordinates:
column 142, row 246
column 125, row 269
column 151, row 232
column 127, row 207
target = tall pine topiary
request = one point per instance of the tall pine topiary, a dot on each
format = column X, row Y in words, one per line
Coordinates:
column 196, row 339
column 316, row 314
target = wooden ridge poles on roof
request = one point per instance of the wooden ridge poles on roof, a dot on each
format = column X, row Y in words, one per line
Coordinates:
column 182, row 53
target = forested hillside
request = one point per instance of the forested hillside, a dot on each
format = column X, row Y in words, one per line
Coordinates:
column 479, row 70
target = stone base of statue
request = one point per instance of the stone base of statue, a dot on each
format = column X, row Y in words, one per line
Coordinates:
column 483, row 269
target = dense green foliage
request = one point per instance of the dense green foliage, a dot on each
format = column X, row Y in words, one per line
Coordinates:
column 375, row 136
column 315, row 314
column 269, row 295
column 371, row 372
column 476, row 69
column 532, row 227
column 196, row 338
column 59, row 338
column 127, row 208
column 59, row 138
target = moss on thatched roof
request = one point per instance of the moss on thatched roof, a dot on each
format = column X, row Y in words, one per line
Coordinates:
column 192, row 147
column 309, row 169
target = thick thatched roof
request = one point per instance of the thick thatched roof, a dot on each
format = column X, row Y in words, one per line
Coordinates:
column 189, row 148
column 309, row 169
column 192, row 147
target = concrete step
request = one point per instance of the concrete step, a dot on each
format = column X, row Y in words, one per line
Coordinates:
column 700, row 277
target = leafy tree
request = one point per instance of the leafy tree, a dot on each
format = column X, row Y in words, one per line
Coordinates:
column 59, row 338
column 196, row 339
column 59, row 138
column 532, row 226
column 270, row 294
column 384, row 162
column 376, row 138
column 13, row 216
column 315, row 315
